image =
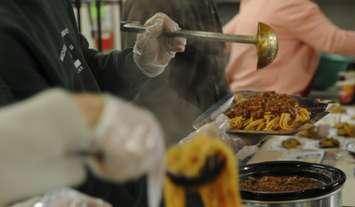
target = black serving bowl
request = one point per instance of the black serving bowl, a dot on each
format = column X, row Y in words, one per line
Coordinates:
column 332, row 179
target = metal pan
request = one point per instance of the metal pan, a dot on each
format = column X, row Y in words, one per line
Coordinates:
column 315, row 106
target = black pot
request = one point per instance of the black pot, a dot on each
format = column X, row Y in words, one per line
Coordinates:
column 333, row 180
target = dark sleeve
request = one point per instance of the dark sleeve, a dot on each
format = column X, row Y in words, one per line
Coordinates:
column 116, row 72
column 6, row 96
column 19, row 72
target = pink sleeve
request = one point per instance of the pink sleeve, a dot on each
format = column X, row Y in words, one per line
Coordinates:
column 231, row 25
column 306, row 21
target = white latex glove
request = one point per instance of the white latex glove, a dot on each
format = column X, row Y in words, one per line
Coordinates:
column 64, row 198
column 153, row 52
column 132, row 144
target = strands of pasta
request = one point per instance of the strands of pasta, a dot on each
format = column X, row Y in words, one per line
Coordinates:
column 188, row 160
column 271, row 122
column 268, row 112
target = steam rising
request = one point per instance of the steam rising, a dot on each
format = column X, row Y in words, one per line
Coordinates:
column 194, row 80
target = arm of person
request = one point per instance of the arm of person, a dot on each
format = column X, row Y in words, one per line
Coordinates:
column 197, row 75
column 305, row 20
column 44, row 140
column 231, row 25
column 125, row 71
column 37, row 139
column 116, row 71
column 229, row 28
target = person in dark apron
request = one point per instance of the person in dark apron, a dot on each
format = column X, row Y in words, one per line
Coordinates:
column 41, row 48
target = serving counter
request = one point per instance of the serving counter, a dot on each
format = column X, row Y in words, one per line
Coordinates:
column 340, row 158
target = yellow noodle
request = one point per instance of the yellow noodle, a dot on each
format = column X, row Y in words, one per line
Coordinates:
column 175, row 195
column 268, row 121
column 285, row 121
column 261, row 126
column 186, row 158
column 237, row 122
column 305, row 115
column 254, row 124
column 247, row 122
column 271, row 122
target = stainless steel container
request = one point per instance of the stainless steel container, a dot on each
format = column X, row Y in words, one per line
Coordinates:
column 331, row 200
column 329, row 195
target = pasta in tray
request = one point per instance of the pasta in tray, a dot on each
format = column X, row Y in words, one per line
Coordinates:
column 267, row 112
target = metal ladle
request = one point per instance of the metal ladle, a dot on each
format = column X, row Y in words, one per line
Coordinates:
column 265, row 40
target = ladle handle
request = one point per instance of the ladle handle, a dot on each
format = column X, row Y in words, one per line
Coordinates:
column 132, row 27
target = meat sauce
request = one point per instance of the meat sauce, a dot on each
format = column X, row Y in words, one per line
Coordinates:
column 279, row 184
column 256, row 106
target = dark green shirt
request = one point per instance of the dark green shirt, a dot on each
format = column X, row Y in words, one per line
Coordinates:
column 40, row 47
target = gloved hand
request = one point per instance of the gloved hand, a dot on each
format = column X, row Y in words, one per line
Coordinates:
column 153, row 52
column 132, row 144
column 64, row 198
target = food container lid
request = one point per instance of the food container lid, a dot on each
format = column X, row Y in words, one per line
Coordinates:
column 332, row 179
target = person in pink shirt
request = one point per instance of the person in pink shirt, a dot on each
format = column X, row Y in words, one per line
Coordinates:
column 303, row 31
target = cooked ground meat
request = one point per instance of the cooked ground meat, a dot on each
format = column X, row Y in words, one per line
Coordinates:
column 279, row 184
column 256, row 106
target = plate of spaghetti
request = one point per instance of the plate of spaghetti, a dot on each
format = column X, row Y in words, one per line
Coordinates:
column 267, row 113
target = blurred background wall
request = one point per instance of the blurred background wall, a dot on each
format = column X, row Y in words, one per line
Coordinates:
column 341, row 12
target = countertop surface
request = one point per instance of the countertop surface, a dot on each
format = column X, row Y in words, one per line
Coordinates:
column 272, row 150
